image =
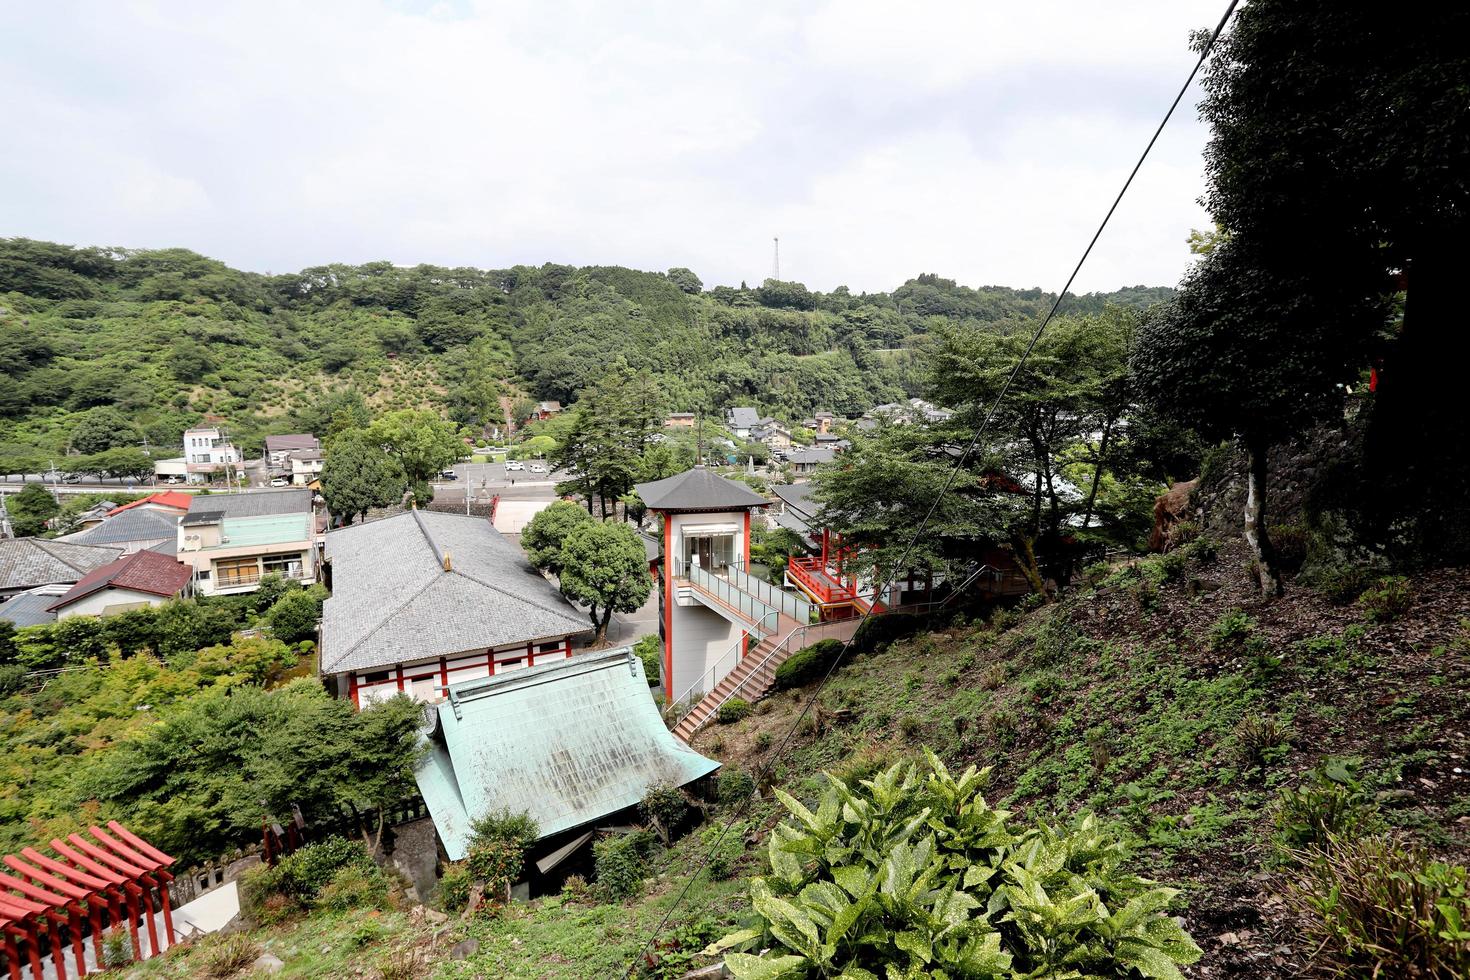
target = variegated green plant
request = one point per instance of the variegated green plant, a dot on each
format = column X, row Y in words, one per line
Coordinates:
column 912, row 875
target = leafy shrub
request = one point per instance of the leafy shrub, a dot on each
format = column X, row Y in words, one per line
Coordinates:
column 498, row 863
column 1330, row 805
column 1260, row 739
column 808, row 664
column 454, row 887
column 1375, row 907
column 1290, row 542
column 881, row 630
column 400, row 964
column 269, row 894
column 725, row 850
column 1386, row 600
column 228, row 956
column 519, row 829
column 294, row 616
column 650, row 650
column 667, row 808
column 867, row 883
column 575, row 889
column 910, row 726
column 734, row 786
column 271, row 589
column 354, row 887
column 763, row 741
column 621, row 863
column 733, row 710
column 1231, row 630
column 12, row 678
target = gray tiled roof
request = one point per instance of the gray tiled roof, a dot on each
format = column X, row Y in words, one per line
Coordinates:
column 257, row 504
column 393, row 602
column 30, row 608
column 743, row 418
column 28, row 562
column 820, row 455
column 138, row 524
column 797, row 496
column 300, row 440
column 698, row 489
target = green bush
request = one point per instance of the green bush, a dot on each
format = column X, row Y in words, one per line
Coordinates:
column 302, row 878
column 1231, row 630
column 294, row 616
column 913, row 874
column 807, row 664
column 498, row 863
column 454, row 887
column 308, row 870
column 1330, row 805
column 271, row 589
column 519, row 829
column 1260, row 739
column 1386, row 600
column 724, row 850
column 622, row 862
column 12, row 678
column 1376, row 908
column 881, row 630
column 354, row 887
column 667, row 808
column 734, row 786
column 650, row 649
column 733, row 710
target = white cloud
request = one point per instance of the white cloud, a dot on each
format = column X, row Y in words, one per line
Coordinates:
column 878, row 140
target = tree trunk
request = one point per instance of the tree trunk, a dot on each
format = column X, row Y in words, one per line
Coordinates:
column 1255, row 517
column 1097, row 472
column 1026, row 556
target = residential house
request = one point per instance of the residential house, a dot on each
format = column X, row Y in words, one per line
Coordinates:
column 831, row 440
column 230, row 540
column 679, row 420
column 545, row 410
column 173, row 502
column 576, row 743
column 175, row 470
column 93, row 515
column 306, row 467
column 32, row 607
column 140, row 580
column 824, row 422
column 804, row 461
column 741, row 420
column 775, row 436
column 133, row 529
column 279, row 449
column 207, row 453
column 26, row 563
column 423, row 600
column 906, row 413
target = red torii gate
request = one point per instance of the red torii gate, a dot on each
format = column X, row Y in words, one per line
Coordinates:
column 114, row 874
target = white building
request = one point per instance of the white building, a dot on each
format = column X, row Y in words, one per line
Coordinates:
column 207, row 451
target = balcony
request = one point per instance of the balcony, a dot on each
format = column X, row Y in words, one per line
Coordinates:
column 816, row 579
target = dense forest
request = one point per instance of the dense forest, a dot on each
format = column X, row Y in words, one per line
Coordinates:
column 133, row 345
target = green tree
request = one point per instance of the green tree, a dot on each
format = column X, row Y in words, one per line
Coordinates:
column 31, row 509
column 294, row 616
column 102, row 428
column 421, row 442
column 1335, row 123
column 605, row 568
column 685, row 279
column 546, row 534
column 1249, row 350
column 123, row 461
column 358, row 474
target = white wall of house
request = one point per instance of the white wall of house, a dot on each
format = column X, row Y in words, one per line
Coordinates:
column 701, row 638
column 724, row 522
column 211, row 579
column 110, row 602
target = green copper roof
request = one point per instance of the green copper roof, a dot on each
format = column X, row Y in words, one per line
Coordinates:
column 570, row 743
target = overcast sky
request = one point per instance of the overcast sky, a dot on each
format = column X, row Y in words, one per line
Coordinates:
column 979, row 140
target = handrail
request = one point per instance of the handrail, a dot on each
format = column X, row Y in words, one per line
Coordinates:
column 765, row 660
column 687, row 698
column 790, row 603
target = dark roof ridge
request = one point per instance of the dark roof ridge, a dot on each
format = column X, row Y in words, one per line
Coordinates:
column 433, row 545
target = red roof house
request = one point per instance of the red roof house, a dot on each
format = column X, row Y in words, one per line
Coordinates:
column 169, row 499
column 144, row 578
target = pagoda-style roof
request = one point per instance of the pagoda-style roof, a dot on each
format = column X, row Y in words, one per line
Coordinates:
column 698, row 489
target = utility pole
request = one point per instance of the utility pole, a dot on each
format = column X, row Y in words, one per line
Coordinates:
column 6, row 531
column 776, row 274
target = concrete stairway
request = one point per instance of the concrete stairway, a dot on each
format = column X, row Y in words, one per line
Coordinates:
column 755, row 675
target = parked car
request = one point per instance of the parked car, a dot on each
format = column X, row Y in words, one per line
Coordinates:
column 71, row 478
column 537, row 468
column 448, row 475
column 514, row 465
column 171, row 480
column 280, row 481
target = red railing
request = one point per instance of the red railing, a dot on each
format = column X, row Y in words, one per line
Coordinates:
column 109, row 882
column 811, row 575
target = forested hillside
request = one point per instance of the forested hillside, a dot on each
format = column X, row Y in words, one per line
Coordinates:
column 162, row 337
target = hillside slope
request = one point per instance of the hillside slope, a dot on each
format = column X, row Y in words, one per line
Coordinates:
column 1142, row 698
column 164, row 337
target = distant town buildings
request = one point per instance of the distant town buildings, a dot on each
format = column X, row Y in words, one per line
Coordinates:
column 207, row 452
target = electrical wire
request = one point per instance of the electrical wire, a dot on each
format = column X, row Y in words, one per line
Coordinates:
column 775, row 753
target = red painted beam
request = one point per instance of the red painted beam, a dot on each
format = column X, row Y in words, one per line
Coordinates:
column 137, row 843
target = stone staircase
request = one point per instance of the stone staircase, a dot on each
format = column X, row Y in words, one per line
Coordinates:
column 755, row 675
